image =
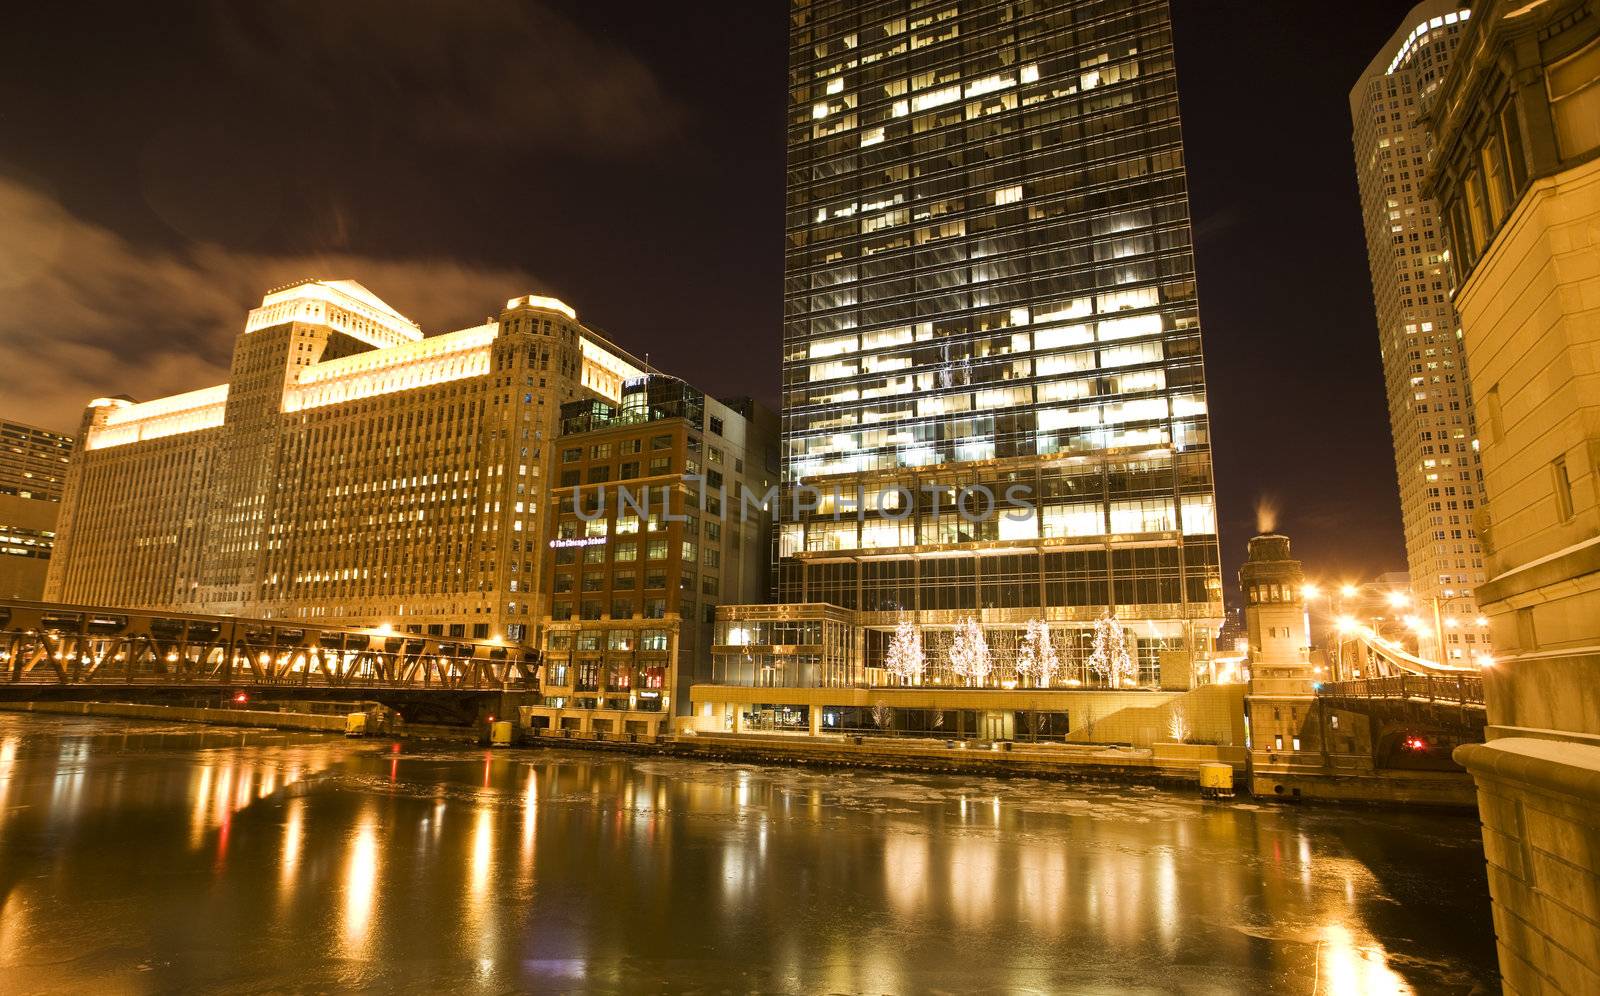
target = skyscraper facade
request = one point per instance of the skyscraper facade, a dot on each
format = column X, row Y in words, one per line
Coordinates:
column 33, row 471
column 1419, row 336
column 990, row 290
column 33, row 461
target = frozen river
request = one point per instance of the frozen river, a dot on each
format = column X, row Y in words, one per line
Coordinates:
column 141, row 857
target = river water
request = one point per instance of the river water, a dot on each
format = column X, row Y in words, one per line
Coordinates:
column 144, row 857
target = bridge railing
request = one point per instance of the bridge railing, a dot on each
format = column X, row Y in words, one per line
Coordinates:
column 1456, row 689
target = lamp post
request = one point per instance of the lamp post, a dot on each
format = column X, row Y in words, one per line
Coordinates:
column 1341, row 627
column 1436, row 604
column 1308, row 591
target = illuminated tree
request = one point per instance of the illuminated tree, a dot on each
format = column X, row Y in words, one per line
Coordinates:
column 904, row 657
column 882, row 715
column 1110, row 659
column 969, row 653
column 1037, row 661
column 1178, row 725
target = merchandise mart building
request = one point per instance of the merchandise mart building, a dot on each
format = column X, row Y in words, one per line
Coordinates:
column 990, row 289
column 352, row 472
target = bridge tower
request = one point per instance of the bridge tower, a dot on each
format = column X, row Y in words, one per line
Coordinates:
column 1275, row 617
column 1281, row 710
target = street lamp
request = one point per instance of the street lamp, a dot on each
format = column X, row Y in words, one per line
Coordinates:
column 1402, row 599
column 1439, row 622
column 1345, row 625
column 1308, row 591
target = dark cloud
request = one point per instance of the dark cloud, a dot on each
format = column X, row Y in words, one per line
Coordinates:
column 89, row 313
column 626, row 154
column 490, row 73
column 633, row 156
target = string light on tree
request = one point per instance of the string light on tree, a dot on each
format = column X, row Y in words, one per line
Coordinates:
column 1110, row 659
column 969, row 653
column 904, row 657
column 1037, row 660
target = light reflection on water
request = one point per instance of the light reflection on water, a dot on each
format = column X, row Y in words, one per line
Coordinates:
column 293, row 841
column 360, row 884
column 179, row 858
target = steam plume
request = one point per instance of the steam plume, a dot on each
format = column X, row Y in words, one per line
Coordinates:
column 1266, row 515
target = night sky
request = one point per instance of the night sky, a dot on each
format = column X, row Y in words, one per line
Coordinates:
column 162, row 165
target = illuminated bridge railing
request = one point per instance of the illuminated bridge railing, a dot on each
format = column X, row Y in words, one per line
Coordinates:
column 47, row 644
column 1457, row 689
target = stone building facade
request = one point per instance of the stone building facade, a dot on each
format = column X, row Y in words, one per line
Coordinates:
column 1284, row 721
column 352, row 471
column 1516, row 133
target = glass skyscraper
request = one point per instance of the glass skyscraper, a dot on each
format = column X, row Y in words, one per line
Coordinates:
column 990, row 290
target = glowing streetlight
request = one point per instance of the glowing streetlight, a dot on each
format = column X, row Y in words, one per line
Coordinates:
column 1348, row 591
column 1309, row 590
column 1399, row 598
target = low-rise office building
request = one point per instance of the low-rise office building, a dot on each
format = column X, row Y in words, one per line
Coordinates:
column 658, row 516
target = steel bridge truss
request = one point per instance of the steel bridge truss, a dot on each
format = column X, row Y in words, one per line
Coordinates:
column 48, row 644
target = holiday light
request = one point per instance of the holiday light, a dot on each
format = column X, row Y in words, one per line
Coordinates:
column 1036, row 658
column 969, row 653
column 1109, row 658
column 904, row 657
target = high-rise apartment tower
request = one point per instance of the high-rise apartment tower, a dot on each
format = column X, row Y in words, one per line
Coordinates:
column 1424, row 362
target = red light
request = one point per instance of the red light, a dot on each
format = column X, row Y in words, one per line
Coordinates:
column 1414, row 743
column 241, row 698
